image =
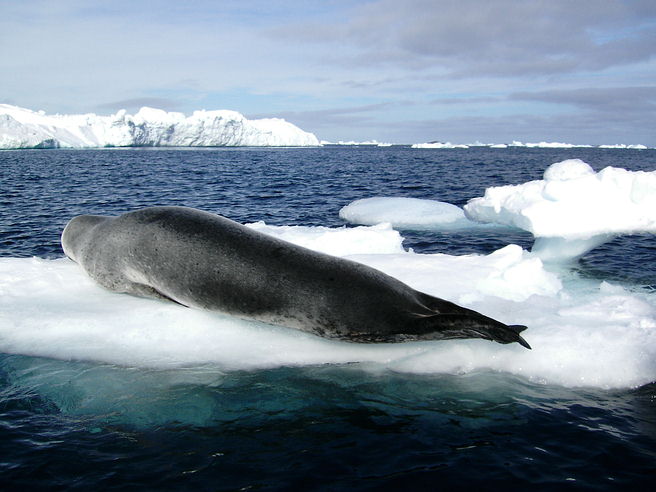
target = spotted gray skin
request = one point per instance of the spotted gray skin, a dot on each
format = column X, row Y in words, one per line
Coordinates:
column 206, row 261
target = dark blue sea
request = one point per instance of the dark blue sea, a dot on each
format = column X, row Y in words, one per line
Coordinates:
column 315, row 427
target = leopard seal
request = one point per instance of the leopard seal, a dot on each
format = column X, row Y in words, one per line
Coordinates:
column 202, row 260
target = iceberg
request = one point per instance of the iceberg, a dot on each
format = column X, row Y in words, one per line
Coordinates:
column 353, row 143
column 562, row 145
column 528, row 145
column 548, row 145
column 573, row 209
column 624, row 146
column 22, row 128
column 438, row 145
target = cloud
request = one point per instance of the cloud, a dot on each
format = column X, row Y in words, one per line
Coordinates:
column 72, row 56
column 322, row 118
column 466, row 100
column 139, row 102
column 578, row 128
column 500, row 38
column 612, row 100
column 584, row 116
column 345, row 69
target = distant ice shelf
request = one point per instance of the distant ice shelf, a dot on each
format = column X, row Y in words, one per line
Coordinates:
column 439, row 145
column 529, row 145
column 22, row 128
column 353, row 143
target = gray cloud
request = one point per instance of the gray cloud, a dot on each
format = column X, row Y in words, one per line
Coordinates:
column 463, row 101
column 595, row 116
column 396, row 71
column 579, row 128
column 615, row 100
column 315, row 120
column 588, row 116
column 500, row 38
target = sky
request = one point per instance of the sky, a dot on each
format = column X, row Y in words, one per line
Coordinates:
column 410, row 71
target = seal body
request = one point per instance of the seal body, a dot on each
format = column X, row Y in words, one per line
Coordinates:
column 203, row 260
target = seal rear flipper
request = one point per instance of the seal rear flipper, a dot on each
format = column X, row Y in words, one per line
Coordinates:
column 518, row 329
column 467, row 324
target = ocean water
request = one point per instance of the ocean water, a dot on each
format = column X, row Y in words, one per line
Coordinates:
column 79, row 409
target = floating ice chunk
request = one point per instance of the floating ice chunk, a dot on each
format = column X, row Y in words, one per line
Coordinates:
column 582, row 333
column 567, row 170
column 353, row 143
column 379, row 239
column 547, row 145
column 518, row 276
column 624, row 146
column 22, row 128
column 406, row 213
column 438, row 145
column 509, row 273
column 573, row 209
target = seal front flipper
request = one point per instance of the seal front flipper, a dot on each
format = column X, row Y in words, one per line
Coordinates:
column 143, row 290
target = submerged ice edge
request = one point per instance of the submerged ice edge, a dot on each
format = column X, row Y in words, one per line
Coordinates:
column 583, row 333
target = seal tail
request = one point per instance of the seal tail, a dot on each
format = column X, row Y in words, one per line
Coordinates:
column 448, row 320
column 474, row 325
